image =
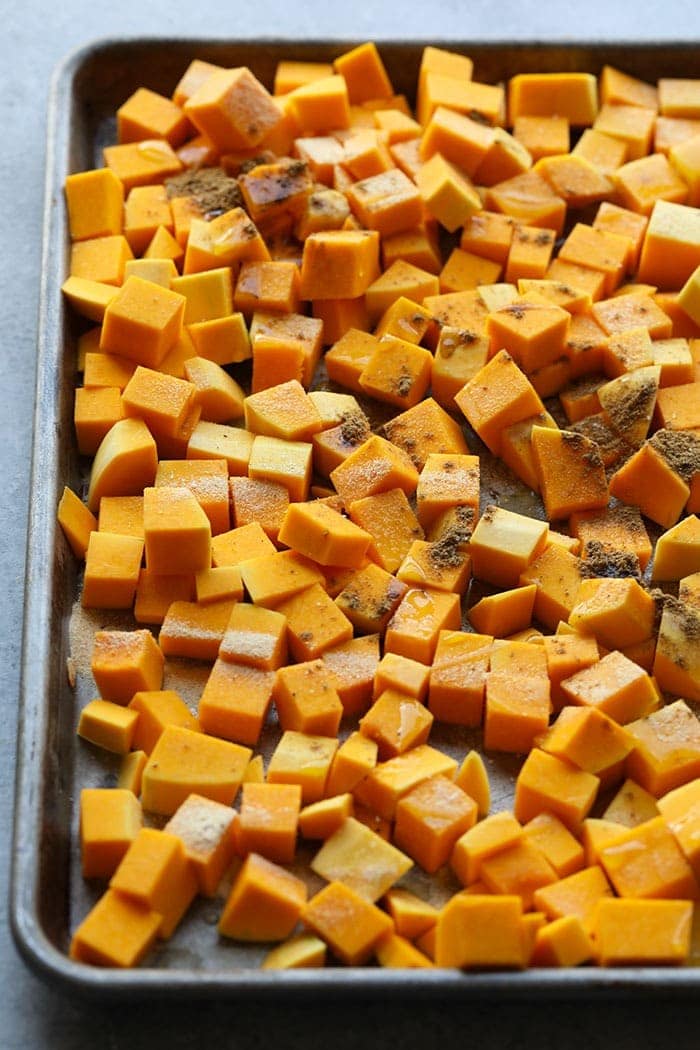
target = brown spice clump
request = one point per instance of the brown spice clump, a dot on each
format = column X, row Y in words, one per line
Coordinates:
column 212, row 189
column 354, row 428
column 680, row 449
column 404, row 382
column 600, row 560
column 445, row 553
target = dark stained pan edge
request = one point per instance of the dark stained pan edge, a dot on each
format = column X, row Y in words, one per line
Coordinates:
column 40, row 789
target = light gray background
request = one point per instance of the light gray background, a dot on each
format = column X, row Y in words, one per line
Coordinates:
column 34, row 37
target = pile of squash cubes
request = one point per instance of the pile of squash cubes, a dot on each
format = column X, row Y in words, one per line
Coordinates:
column 298, row 301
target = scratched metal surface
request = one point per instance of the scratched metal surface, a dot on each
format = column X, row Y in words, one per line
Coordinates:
column 49, row 896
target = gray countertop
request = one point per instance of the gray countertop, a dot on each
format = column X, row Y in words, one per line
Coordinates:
column 34, row 39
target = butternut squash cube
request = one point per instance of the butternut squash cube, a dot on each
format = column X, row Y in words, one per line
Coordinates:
column 614, row 685
column 264, row 904
column 185, row 762
column 497, row 396
column 339, row 264
column 95, row 204
column 108, row 725
column 430, row 819
column 177, row 531
column 350, row 925
column 635, row 932
column 481, row 932
column 124, row 662
column 589, row 739
column 517, row 710
column 306, row 700
column 301, row 758
column 112, row 566
column 235, row 701
column 503, row 544
column 646, row 861
column 117, row 931
column 204, row 827
column 142, row 322
column 232, row 108
column 156, row 873
column 125, row 462
column 485, row 839
column 361, row 860
column 618, row 612
column 267, row 822
column 548, row 784
column 564, row 852
column 286, row 462
column 666, row 749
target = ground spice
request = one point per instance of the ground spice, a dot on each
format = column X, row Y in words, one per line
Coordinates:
column 680, row 449
column 212, row 189
column 354, row 428
column 601, row 560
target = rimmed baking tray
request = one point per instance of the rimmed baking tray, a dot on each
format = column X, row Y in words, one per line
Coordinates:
column 48, row 896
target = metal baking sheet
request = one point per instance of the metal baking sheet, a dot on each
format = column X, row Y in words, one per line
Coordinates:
column 48, row 895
